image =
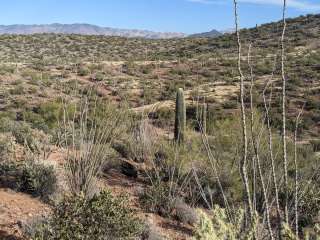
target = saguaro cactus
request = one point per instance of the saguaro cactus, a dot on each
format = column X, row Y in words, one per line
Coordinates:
column 180, row 121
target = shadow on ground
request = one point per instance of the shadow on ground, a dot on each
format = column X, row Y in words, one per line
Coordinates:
column 5, row 236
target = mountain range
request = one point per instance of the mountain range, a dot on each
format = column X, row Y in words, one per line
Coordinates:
column 88, row 29
column 211, row 34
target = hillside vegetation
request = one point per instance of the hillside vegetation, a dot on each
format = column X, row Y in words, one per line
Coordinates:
column 84, row 119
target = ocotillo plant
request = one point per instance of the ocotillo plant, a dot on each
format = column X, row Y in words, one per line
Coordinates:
column 180, row 121
column 203, row 118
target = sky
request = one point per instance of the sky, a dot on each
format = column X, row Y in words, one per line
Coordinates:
column 188, row 16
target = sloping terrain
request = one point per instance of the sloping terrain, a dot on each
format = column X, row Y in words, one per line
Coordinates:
column 39, row 70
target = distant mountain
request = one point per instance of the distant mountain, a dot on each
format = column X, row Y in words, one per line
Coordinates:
column 212, row 34
column 85, row 29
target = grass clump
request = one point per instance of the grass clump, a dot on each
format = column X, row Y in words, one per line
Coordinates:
column 157, row 198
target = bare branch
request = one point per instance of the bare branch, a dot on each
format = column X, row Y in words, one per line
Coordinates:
column 243, row 167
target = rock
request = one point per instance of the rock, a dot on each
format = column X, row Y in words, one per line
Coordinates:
column 129, row 169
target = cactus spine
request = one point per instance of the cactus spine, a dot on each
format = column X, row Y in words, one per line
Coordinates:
column 180, row 120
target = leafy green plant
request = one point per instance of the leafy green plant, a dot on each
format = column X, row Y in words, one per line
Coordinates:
column 217, row 226
column 32, row 178
column 99, row 218
column 38, row 180
column 83, row 71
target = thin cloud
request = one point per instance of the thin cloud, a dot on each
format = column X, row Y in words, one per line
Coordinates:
column 208, row 1
column 298, row 4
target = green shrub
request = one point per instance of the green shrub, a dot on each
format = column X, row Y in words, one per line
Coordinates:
column 38, row 180
column 83, row 71
column 9, row 175
column 17, row 90
column 102, row 217
column 99, row 76
column 163, row 117
column 6, row 147
column 35, row 179
column 316, row 145
column 158, row 198
column 21, row 131
column 24, row 135
column 218, row 226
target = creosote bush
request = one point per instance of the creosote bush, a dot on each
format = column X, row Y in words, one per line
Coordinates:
column 38, row 180
column 32, row 178
column 102, row 217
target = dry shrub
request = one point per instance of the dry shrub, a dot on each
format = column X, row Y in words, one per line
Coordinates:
column 88, row 135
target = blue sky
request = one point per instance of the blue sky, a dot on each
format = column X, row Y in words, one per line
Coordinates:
column 187, row 16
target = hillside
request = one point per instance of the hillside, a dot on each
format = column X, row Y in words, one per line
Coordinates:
column 86, row 119
column 211, row 34
column 186, row 62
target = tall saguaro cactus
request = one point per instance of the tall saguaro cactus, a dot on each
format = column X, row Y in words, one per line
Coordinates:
column 180, row 121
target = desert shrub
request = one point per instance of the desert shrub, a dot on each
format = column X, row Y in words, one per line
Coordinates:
column 6, row 147
column 123, row 148
column 184, row 213
column 7, row 69
column 143, row 142
column 34, row 228
column 308, row 205
column 177, row 167
column 99, row 76
column 6, row 116
column 102, row 217
column 316, row 145
column 181, row 70
column 219, row 226
column 130, row 67
column 230, row 104
column 92, row 131
column 35, row 120
column 38, row 180
column 158, row 198
column 33, row 178
column 21, row 131
column 24, row 135
column 83, row 71
column 205, row 190
column 51, row 112
column 151, row 232
column 9, row 174
column 163, row 117
column 146, row 69
column 17, row 90
column 312, row 233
